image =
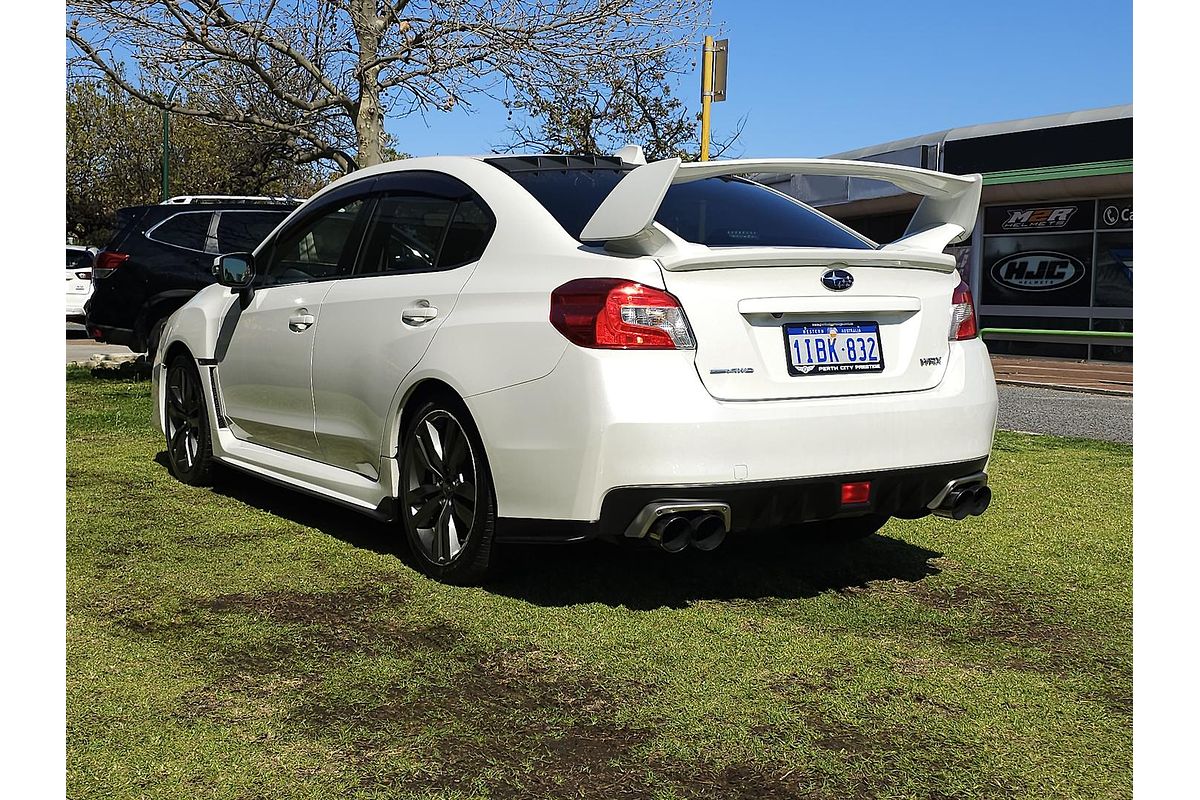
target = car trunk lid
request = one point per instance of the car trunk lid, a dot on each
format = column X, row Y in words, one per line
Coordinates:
column 739, row 301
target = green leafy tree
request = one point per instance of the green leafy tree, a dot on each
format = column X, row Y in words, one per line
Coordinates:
column 114, row 156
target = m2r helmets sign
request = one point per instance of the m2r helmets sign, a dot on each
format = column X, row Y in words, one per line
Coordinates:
column 1038, row 271
column 1040, row 218
column 1023, row 219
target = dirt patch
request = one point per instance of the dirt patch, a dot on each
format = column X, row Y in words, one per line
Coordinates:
column 509, row 723
column 123, row 549
column 115, row 555
column 751, row 782
column 227, row 538
column 1115, row 700
column 345, row 621
column 812, row 684
column 332, row 609
column 996, row 615
column 832, row 734
column 342, row 620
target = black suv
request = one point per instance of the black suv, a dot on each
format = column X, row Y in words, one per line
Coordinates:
column 162, row 255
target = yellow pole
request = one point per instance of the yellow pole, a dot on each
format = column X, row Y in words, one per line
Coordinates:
column 706, row 93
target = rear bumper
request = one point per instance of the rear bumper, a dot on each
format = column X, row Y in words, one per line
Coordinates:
column 609, row 425
column 110, row 335
column 756, row 506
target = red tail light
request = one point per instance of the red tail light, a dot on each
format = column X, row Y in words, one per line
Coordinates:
column 106, row 262
column 857, row 493
column 616, row 314
column 963, row 323
column 85, row 275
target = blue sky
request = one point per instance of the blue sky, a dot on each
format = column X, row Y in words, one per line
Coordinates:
column 814, row 77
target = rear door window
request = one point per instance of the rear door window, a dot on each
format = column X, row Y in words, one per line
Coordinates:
column 408, row 233
column 187, row 229
column 242, row 231
column 425, row 221
column 470, row 230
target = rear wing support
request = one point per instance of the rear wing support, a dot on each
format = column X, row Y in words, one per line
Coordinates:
column 947, row 213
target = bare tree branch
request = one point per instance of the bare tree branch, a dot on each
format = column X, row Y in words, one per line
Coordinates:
column 329, row 72
column 614, row 104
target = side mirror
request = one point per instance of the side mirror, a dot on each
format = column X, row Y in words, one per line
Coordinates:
column 235, row 270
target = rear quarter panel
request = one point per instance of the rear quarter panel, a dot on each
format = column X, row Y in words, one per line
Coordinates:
column 499, row 333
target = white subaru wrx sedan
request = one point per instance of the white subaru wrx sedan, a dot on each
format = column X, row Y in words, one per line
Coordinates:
column 550, row 348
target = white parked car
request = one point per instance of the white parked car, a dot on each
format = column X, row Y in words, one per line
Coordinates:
column 536, row 348
column 79, row 280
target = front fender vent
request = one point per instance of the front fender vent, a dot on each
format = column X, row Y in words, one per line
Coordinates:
column 222, row 422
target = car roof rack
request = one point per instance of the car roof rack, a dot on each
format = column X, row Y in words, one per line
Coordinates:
column 190, row 199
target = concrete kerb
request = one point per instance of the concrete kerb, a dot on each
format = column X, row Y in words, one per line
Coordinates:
column 125, row 366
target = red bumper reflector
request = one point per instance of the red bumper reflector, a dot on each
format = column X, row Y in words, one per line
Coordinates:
column 855, row 494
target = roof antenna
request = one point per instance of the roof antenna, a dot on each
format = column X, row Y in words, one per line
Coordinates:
column 632, row 154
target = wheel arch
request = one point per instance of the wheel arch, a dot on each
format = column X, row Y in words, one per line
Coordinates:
column 160, row 306
column 204, row 323
column 176, row 348
column 406, row 402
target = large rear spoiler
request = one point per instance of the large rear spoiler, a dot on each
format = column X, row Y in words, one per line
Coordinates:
column 949, row 203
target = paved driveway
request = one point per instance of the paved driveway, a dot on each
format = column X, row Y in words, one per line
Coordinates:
column 81, row 348
column 1058, row 413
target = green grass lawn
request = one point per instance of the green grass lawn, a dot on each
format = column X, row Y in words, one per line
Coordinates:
column 248, row 642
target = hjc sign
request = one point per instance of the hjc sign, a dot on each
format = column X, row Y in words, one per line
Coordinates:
column 1038, row 271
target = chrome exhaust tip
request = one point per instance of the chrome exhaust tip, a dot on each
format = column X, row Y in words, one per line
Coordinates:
column 671, row 534
column 655, row 513
column 982, row 499
column 959, row 504
column 962, row 498
column 708, row 532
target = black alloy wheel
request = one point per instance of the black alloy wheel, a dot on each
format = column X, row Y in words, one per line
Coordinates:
column 446, row 503
column 189, row 448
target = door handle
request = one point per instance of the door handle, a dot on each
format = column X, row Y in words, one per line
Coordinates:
column 301, row 320
column 419, row 314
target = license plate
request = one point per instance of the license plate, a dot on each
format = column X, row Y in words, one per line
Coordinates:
column 820, row 348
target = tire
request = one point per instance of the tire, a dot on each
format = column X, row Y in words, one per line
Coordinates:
column 446, row 487
column 189, row 443
column 853, row 529
column 153, row 337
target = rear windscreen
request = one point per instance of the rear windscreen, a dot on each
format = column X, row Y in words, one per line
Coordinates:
column 126, row 222
column 718, row 212
column 78, row 258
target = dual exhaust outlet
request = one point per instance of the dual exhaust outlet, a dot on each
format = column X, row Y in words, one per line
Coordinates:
column 963, row 498
column 674, row 526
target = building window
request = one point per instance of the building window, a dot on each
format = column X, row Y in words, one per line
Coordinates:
column 1058, row 265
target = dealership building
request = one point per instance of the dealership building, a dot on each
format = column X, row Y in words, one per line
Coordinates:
column 1052, row 249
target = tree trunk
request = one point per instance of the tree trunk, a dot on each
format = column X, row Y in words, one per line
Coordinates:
column 368, row 116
